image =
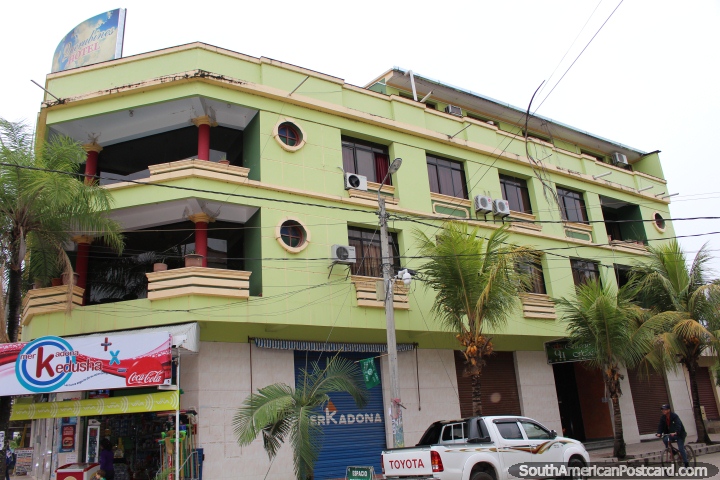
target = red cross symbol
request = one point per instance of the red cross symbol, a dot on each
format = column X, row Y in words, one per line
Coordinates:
column 106, row 344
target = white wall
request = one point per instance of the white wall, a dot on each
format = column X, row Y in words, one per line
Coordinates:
column 631, row 431
column 536, row 386
column 216, row 382
column 437, row 398
column 680, row 399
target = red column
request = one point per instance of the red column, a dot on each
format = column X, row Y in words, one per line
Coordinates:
column 203, row 123
column 93, row 150
column 201, row 234
column 201, row 240
column 82, row 260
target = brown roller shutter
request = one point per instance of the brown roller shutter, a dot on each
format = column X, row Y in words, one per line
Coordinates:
column 707, row 396
column 499, row 390
column 648, row 394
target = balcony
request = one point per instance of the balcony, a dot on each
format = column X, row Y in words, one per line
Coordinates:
column 624, row 225
column 209, row 282
column 49, row 300
column 538, row 306
column 366, row 289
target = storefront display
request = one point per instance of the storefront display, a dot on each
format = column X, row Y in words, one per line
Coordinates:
column 77, row 471
column 119, row 387
column 143, row 444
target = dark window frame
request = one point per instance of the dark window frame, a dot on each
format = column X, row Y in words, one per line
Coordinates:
column 289, row 134
column 366, row 240
column 622, row 274
column 537, row 277
column 457, row 175
column 572, row 205
column 516, row 192
column 584, row 270
column 352, row 148
column 291, row 231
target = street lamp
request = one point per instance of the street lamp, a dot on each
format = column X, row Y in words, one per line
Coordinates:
column 388, row 285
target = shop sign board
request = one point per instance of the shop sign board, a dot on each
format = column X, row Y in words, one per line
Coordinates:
column 24, row 461
column 97, row 39
column 359, row 473
column 91, row 407
column 67, row 437
column 55, row 364
column 563, row 351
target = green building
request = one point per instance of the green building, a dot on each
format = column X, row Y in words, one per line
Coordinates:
column 267, row 170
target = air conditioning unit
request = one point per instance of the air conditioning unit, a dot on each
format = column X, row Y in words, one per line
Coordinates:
column 342, row 254
column 619, row 159
column 453, row 110
column 355, row 181
column 500, row 208
column 483, row 204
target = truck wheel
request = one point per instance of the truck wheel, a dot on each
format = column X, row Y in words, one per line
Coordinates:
column 481, row 476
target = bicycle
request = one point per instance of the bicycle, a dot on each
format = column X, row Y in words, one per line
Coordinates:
column 671, row 455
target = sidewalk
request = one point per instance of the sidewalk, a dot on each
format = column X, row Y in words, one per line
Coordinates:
column 651, row 451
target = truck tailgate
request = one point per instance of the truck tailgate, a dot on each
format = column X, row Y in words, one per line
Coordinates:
column 407, row 462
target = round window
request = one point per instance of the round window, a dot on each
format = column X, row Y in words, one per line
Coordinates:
column 292, row 234
column 659, row 222
column 289, row 134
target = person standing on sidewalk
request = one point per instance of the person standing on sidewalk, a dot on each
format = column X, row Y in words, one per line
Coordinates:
column 671, row 424
column 9, row 461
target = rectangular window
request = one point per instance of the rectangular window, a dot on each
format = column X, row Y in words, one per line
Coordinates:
column 446, row 177
column 584, row 271
column 572, row 205
column 537, row 279
column 365, row 158
column 368, row 252
column 515, row 191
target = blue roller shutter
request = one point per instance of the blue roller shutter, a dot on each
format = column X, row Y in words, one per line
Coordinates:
column 353, row 436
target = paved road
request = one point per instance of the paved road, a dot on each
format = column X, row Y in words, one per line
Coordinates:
column 713, row 459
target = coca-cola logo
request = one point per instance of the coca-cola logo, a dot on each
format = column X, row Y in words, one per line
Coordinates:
column 149, row 378
column 145, row 371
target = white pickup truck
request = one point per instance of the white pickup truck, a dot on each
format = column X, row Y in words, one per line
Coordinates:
column 481, row 448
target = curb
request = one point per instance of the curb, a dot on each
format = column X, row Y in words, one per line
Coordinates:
column 654, row 457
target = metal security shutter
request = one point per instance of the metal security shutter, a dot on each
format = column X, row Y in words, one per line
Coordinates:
column 648, row 394
column 707, row 396
column 353, row 436
column 498, row 385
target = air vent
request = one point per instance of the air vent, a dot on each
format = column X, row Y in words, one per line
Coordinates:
column 356, row 182
column 343, row 254
column 483, row 204
column 501, row 208
column 453, row 110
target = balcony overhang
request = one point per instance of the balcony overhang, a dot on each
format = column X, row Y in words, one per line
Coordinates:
column 123, row 125
column 164, row 213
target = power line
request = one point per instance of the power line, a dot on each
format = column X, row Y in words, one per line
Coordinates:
column 576, row 58
column 190, row 189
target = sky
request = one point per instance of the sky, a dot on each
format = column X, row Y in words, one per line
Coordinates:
column 649, row 79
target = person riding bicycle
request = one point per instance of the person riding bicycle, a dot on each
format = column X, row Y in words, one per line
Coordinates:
column 671, row 424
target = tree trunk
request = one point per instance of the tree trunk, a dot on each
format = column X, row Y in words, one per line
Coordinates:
column 703, row 437
column 14, row 294
column 619, row 444
column 476, row 399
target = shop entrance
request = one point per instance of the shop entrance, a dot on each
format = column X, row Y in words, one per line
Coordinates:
column 584, row 411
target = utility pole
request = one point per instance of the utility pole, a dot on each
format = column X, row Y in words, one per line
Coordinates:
column 389, row 286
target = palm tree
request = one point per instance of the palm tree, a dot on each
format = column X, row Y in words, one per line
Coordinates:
column 685, row 312
column 607, row 323
column 279, row 411
column 40, row 211
column 476, row 282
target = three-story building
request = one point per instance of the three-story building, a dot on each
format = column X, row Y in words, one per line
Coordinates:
column 265, row 169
